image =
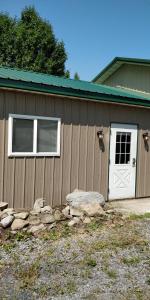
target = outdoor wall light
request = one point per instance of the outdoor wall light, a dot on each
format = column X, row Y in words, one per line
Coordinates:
column 100, row 134
column 146, row 136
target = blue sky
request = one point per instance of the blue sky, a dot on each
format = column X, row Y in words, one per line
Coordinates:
column 94, row 31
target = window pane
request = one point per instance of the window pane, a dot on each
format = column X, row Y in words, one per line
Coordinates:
column 47, row 136
column 123, row 148
column 22, row 135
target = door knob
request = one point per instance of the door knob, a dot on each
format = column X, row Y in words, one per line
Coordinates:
column 133, row 162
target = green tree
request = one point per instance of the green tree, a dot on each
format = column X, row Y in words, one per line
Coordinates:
column 76, row 76
column 67, row 74
column 31, row 44
column 7, row 40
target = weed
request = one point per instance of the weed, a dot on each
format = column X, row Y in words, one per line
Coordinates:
column 95, row 224
column 131, row 260
column 66, row 288
column 91, row 262
column 21, row 236
column 86, row 274
column 28, row 274
column 8, row 246
column 134, row 217
column 88, row 261
column 70, row 287
column 74, row 254
column 111, row 273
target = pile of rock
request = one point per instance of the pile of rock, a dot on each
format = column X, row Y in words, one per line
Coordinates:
column 81, row 207
column 37, row 219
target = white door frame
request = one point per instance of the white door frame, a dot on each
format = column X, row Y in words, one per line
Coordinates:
column 118, row 190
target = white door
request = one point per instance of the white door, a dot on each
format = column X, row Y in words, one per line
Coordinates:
column 122, row 168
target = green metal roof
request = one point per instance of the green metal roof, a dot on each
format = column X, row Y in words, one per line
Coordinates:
column 25, row 80
column 115, row 64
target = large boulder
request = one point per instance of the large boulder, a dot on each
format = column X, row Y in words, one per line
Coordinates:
column 88, row 203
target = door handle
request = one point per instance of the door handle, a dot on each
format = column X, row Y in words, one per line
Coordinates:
column 133, row 162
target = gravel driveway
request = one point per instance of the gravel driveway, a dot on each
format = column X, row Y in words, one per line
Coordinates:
column 103, row 260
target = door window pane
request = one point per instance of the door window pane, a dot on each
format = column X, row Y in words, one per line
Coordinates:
column 123, row 146
column 22, row 135
column 47, row 136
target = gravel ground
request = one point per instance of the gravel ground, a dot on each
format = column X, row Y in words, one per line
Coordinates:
column 107, row 260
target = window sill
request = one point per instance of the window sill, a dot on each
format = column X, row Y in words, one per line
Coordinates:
column 22, row 154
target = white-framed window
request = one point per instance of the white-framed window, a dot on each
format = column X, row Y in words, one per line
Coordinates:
column 33, row 135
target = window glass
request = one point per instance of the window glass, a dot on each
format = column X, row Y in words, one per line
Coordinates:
column 47, row 136
column 22, row 135
column 123, row 146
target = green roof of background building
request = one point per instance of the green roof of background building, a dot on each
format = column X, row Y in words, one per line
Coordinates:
column 115, row 64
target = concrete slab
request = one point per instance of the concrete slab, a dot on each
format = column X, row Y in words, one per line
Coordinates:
column 132, row 206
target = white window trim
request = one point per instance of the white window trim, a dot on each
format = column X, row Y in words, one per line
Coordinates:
column 35, row 119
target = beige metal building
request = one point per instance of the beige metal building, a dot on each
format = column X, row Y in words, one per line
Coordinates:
column 61, row 134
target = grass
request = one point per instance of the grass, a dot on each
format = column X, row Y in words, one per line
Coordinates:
column 66, row 288
column 134, row 217
column 27, row 275
column 87, row 261
column 8, row 246
column 111, row 273
column 130, row 261
column 57, row 233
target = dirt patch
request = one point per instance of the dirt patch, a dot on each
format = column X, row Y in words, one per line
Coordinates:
column 106, row 259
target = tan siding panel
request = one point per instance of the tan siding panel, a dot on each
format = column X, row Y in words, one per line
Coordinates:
column 75, row 145
column 83, row 145
column 19, row 174
column 9, row 162
column 66, row 150
column 2, row 144
column 90, row 147
column 57, row 186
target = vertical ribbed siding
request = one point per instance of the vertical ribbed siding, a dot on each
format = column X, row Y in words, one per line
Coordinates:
column 131, row 76
column 81, row 164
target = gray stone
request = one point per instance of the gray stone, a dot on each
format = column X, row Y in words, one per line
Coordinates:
column 76, row 212
column 3, row 205
column 47, row 209
column 6, row 222
column 21, row 215
column 51, row 226
column 33, row 220
column 3, row 215
column 58, row 215
column 66, row 212
column 86, row 220
column 9, row 211
column 47, row 219
column 34, row 213
column 89, row 203
column 37, row 228
column 38, row 204
column 19, row 224
column 74, row 221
